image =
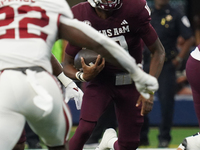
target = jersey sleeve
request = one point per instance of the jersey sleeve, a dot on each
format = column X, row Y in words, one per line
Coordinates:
column 72, row 50
column 146, row 31
column 64, row 11
column 76, row 10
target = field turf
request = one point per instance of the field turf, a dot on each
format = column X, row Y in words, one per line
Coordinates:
column 178, row 134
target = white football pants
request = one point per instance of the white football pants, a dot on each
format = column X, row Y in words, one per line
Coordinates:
column 34, row 97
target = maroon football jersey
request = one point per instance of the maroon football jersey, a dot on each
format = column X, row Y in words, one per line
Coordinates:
column 128, row 26
column 199, row 46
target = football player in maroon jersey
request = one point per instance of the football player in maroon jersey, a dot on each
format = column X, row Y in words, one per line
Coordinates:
column 193, row 73
column 127, row 23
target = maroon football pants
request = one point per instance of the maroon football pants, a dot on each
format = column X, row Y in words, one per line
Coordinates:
column 97, row 97
column 193, row 76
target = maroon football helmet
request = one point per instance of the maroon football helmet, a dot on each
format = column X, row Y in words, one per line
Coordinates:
column 106, row 4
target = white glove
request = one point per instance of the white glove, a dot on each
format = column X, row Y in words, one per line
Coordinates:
column 145, row 83
column 73, row 92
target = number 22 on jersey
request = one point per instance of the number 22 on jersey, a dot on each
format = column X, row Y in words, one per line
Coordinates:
column 7, row 15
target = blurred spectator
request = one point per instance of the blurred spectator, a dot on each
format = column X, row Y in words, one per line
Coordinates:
column 182, row 87
column 169, row 24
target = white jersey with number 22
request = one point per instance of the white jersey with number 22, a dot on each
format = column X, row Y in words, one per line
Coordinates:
column 28, row 29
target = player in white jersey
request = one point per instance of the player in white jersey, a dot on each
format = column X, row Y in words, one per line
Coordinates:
column 28, row 91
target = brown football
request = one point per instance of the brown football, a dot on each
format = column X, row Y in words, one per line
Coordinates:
column 88, row 55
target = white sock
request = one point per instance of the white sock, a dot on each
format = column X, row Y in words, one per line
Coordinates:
column 111, row 143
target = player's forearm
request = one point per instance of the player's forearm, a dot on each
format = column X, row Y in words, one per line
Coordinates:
column 156, row 64
column 157, row 59
column 68, row 66
column 58, row 71
column 56, row 66
column 70, row 71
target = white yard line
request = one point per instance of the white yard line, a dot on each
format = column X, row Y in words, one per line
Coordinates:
column 137, row 149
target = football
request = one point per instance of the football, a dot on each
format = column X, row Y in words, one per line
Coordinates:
column 88, row 55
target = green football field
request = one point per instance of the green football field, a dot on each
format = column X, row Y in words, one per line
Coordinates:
column 178, row 134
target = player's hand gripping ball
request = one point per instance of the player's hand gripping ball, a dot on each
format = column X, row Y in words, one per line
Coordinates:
column 89, row 58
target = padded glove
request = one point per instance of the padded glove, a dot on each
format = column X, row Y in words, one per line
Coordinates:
column 75, row 93
column 145, row 83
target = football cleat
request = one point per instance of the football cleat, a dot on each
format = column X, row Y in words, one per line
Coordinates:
column 190, row 143
column 109, row 134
